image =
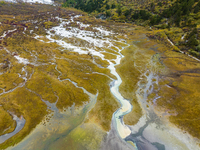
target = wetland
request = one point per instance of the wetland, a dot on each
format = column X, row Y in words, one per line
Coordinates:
column 71, row 81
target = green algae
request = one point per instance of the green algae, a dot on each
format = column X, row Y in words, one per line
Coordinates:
column 85, row 136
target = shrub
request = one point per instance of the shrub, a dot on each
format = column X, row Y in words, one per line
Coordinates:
column 175, row 48
column 194, row 53
column 198, row 48
column 2, row 3
column 48, row 24
column 196, row 9
column 160, row 4
column 193, row 41
column 108, row 13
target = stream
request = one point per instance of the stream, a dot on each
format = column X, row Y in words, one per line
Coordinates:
column 150, row 133
column 20, row 124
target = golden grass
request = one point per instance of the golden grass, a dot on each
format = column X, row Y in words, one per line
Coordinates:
column 180, row 99
column 49, row 87
column 30, row 107
column 7, row 124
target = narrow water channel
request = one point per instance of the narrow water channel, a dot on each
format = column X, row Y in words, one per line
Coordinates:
column 150, row 133
column 20, row 122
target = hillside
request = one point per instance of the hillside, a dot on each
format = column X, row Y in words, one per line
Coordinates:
column 177, row 21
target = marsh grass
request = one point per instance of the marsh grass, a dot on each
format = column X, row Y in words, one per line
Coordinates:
column 7, row 124
column 29, row 106
column 181, row 97
column 50, row 65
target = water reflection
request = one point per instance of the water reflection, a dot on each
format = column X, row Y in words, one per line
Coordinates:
column 20, row 124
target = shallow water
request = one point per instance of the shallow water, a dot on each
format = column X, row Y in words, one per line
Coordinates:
column 151, row 132
column 20, row 124
column 58, row 127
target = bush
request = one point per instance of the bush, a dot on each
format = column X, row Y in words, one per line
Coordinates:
column 196, row 9
column 194, row 53
column 175, row 48
column 115, row 17
column 108, row 13
column 193, row 41
column 113, row 6
column 160, row 4
column 2, row 3
column 119, row 10
column 198, row 48
column 48, row 24
column 65, row 5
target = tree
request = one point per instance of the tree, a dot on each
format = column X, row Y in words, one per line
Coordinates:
column 193, row 41
column 169, row 25
column 178, row 18
column 160, row 4
column 113, row 6
column 107, row 6
column 119, row 10
column 152, row 6
column 198, row 48
column 108, row 13
column 194, row 53
column 196, row 9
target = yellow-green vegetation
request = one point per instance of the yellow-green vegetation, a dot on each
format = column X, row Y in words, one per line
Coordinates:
column 109, row 56
column 28, row 45
column 48, row 24
column 30, row 107
column 101, row 62
column 178, row 86
column 23, row 98
column 179, row 95
column 51, row 72
column 134, row 63
column 8, row 81
column 49, row 88
column 104, row 108
column 129, row 75
column 7, row 124
column 86, row 136
column 81, row 71
column 43, row 77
